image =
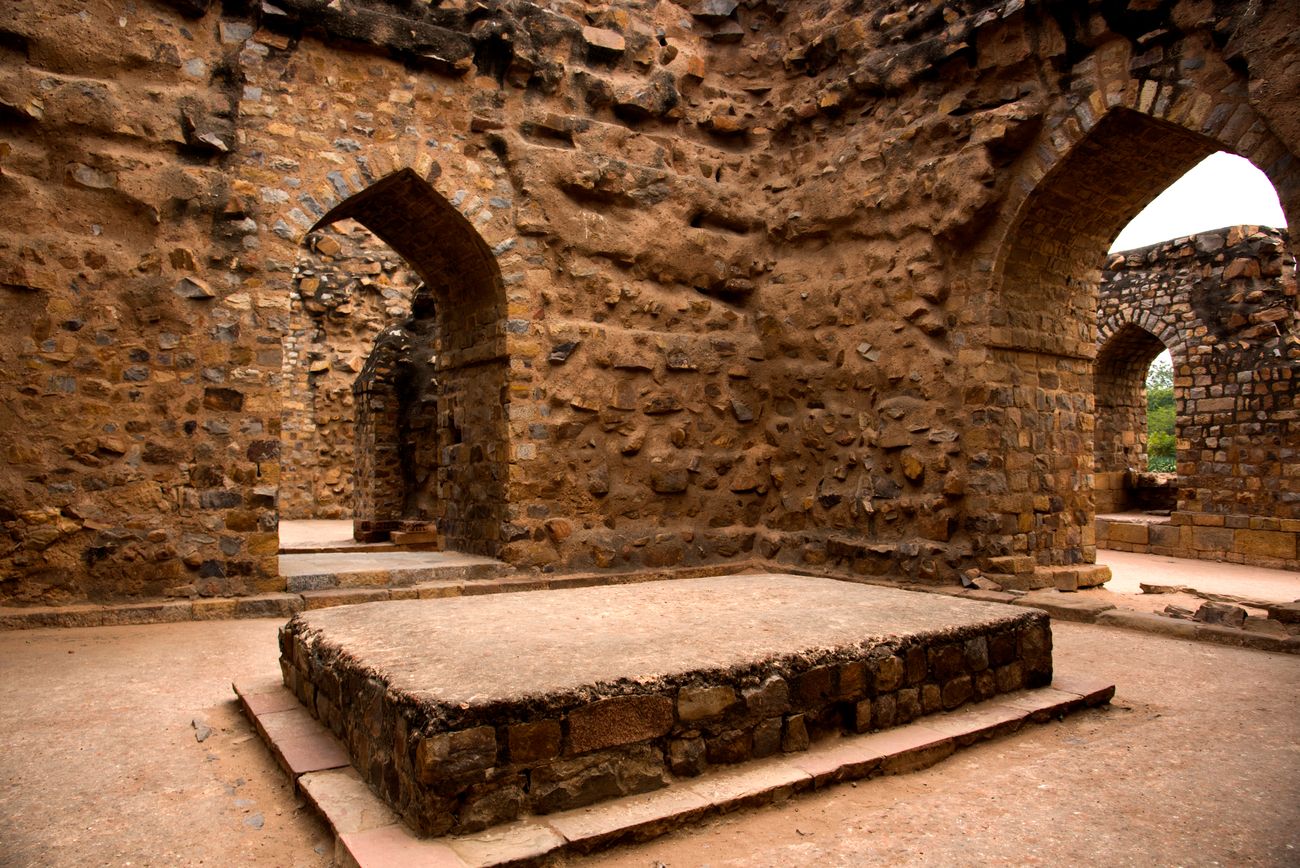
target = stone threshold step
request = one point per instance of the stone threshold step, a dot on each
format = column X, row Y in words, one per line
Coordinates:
column 318, row 571
column 356, row 548
column 369, row 835
column 286, row 605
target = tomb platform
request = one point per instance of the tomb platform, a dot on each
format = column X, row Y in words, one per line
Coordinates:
column 463, row 713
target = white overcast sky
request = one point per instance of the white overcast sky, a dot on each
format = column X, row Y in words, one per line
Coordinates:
column 1222, row 190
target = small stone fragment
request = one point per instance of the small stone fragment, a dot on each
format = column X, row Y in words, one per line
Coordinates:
column 1225, row 614
column 201, row 730
column 192, row 287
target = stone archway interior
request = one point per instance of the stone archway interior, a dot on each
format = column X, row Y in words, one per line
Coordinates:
column 1043, row 334
column 430, row 400
column 1120, row 438
column 348, row 287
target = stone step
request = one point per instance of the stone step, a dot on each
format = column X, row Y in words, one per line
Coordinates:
column 352, row 548
column 396, row 569
column 368, row 834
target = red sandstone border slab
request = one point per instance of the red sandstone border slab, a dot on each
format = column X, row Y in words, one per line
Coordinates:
column 299, row 744
column 369, row 835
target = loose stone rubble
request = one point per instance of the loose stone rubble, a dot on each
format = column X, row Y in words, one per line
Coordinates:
column 811, row 283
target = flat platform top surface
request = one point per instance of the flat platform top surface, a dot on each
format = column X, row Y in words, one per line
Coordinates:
column 511, row 646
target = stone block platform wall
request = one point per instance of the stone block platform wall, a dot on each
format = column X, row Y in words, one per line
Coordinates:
column 1225, row 305
column 461, row 768
column 805, row 280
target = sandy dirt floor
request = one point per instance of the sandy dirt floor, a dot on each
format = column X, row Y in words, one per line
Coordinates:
column 1197, row 762
column 100, row 762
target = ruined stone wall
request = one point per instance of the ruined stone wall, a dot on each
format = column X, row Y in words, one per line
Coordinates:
column 347, row 287
column 1225, row 305
column 141, row 351
column 809, row 282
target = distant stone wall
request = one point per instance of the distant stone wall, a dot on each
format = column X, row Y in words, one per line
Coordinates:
column 810, row 280
column 1224, row 304
column 348, row 286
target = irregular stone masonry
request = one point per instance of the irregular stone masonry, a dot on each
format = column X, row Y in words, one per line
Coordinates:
column 1224, row 304
column 807, row 282
column 459, row 764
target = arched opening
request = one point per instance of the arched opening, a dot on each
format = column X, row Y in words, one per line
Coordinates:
column 1044, row 331
column 348, row 287
column 1045, row 334
column 429, row 436
column 1120, row 441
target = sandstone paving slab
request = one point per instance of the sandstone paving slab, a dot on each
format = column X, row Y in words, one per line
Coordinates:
column 1064, row 606
column 522, row 646
column 393, row 847
column 344, row 800
column 523, row 842
column 756, row 783
column 312, row 572
column 859, row 756
column 271, row 701
column 642, row 816
column 1180, row 629
column 1045, row 700
column 366, row 562
column 298, row 742
column 970, row 725
column 290, row 723
column 1095, row 691
column 311, row 753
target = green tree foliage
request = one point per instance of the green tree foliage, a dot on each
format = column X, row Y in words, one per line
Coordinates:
column 1160, row 415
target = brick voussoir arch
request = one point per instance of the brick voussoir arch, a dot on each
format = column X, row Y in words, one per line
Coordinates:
column 328, row 185
column 1217, row 109
column 1154, row 323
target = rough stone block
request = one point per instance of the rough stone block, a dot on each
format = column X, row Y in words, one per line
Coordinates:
column 795, row 735
column 767, row 737
column 1287, row 613
column 957, row 691
column 1132, row 533
column 946, row 661
column 1224, row 614
column 1212, row 539
column 732, row 746
column 770, row 698
column 1265, row 544
column 702, row 703
column 453, row 754
column 890, row 672
column 619, row 720
column 573, row 783
column 533, row 741
column 686, row 756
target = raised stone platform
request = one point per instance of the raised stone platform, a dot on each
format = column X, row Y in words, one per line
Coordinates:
column 466, row 712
